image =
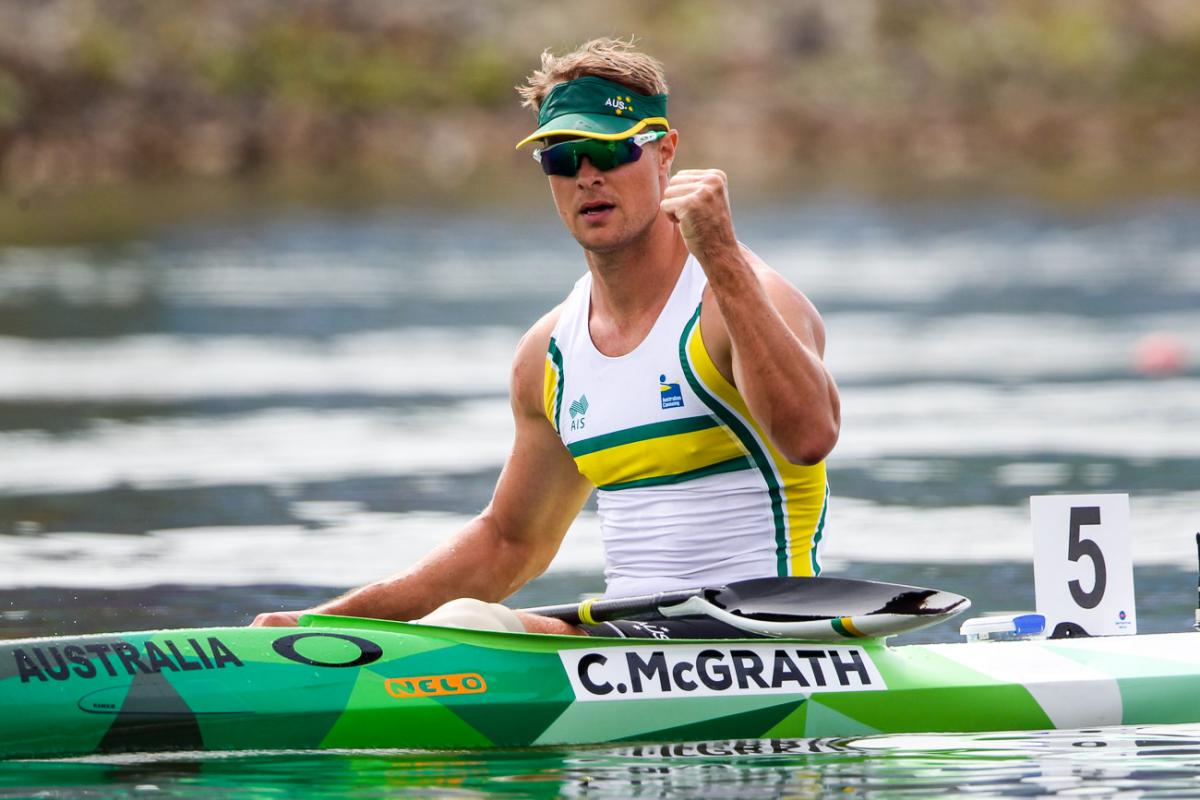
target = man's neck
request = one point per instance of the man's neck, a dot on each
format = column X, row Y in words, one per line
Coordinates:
column 636, row 280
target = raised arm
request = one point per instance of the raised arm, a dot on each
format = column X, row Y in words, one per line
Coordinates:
column 513, row 540
column 762, row 333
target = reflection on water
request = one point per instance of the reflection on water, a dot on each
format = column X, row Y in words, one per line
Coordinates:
column 1130, row 762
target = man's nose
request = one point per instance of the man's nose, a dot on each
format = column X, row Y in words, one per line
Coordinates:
column 588, row 175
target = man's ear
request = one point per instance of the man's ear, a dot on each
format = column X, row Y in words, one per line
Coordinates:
column 666, row 150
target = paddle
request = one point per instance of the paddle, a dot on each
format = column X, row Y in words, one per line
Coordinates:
column 802, row 608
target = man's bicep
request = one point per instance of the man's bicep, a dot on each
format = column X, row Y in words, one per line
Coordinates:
column 540, row 491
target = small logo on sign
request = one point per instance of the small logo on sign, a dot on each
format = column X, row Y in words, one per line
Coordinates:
column 436, row 685
column 672, row 396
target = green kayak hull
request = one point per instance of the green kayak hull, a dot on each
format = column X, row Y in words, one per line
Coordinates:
column 340, row 682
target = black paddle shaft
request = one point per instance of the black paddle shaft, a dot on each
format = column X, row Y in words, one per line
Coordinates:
column 778, row 599
column 619, row 608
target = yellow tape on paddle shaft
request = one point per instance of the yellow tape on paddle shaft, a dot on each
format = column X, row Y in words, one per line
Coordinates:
column 585, row 611
column 846, row 627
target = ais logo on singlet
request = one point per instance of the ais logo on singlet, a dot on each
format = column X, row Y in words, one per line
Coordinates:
column 578, row 409
column 670, row 393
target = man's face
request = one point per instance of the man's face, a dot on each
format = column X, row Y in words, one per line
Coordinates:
column 608, row 210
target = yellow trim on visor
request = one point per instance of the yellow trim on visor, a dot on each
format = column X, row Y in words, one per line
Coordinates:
column 607, row 137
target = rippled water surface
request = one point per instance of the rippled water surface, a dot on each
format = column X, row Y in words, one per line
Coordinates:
column 1134, row 762
column 225, row 419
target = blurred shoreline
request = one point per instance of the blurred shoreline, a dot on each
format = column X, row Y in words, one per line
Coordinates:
column 130, row 210
column 150, row 111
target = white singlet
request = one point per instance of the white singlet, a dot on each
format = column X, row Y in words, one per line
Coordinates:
column 690, row 490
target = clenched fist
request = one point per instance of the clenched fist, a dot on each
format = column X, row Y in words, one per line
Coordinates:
column 698, row 199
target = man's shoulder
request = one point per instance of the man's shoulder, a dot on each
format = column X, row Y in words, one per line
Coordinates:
column 529, row 362
column 536, row 341
column 768, row 276
column 777, row 286
column 786, row 297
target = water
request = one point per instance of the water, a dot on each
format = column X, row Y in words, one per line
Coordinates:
column 1127, row 763
column 224, row 419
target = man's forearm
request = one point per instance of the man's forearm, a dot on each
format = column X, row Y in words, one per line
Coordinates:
column 477, row 562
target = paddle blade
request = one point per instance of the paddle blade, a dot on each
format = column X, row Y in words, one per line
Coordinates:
column 821, row 609
column 798, row 599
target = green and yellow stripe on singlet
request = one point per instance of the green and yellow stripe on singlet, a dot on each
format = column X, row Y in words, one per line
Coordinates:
column 552, row 384
column 658, row 454
column 798, row 494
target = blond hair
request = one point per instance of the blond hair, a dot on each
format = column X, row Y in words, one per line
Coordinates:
column 614, row 59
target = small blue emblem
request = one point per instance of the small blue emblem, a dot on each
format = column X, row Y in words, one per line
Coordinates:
column 671, row 395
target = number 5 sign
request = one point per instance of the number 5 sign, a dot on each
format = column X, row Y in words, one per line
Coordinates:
column 1082, row 570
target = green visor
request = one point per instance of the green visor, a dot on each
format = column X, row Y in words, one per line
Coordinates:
column 597, row 108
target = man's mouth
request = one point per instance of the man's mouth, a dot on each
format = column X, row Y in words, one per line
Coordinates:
column 595, row 208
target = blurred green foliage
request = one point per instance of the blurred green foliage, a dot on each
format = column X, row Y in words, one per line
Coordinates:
column 937, row 89
column 100, row 53
column 1166, row 73
column 314, row 67
column 11, row 100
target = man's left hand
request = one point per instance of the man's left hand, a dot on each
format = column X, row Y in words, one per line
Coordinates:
column 698, row 200
column 278, row 619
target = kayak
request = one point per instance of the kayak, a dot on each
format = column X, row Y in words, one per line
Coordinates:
column 344, row 682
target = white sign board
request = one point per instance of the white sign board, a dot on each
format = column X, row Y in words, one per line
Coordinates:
column 1082, row 569
column 714, row 670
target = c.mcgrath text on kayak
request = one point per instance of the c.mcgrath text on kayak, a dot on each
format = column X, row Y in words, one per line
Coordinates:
column 621, row 673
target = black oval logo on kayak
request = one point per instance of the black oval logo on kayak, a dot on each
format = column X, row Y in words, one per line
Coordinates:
column 368, row 651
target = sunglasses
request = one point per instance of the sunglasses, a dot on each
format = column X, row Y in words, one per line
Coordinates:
column 564, row 158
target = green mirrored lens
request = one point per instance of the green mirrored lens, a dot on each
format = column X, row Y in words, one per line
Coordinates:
column 564, row 158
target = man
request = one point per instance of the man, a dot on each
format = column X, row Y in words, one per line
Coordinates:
column 682, row 378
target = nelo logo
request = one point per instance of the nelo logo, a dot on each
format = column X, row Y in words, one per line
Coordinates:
column 436, row 685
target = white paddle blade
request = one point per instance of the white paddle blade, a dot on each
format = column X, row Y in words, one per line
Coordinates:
column 828, row 629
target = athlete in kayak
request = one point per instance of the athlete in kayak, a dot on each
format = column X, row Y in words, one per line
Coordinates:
column 682, row 379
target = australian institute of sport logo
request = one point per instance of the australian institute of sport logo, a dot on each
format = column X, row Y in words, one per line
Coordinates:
column 578, row 408
column 670, row 393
